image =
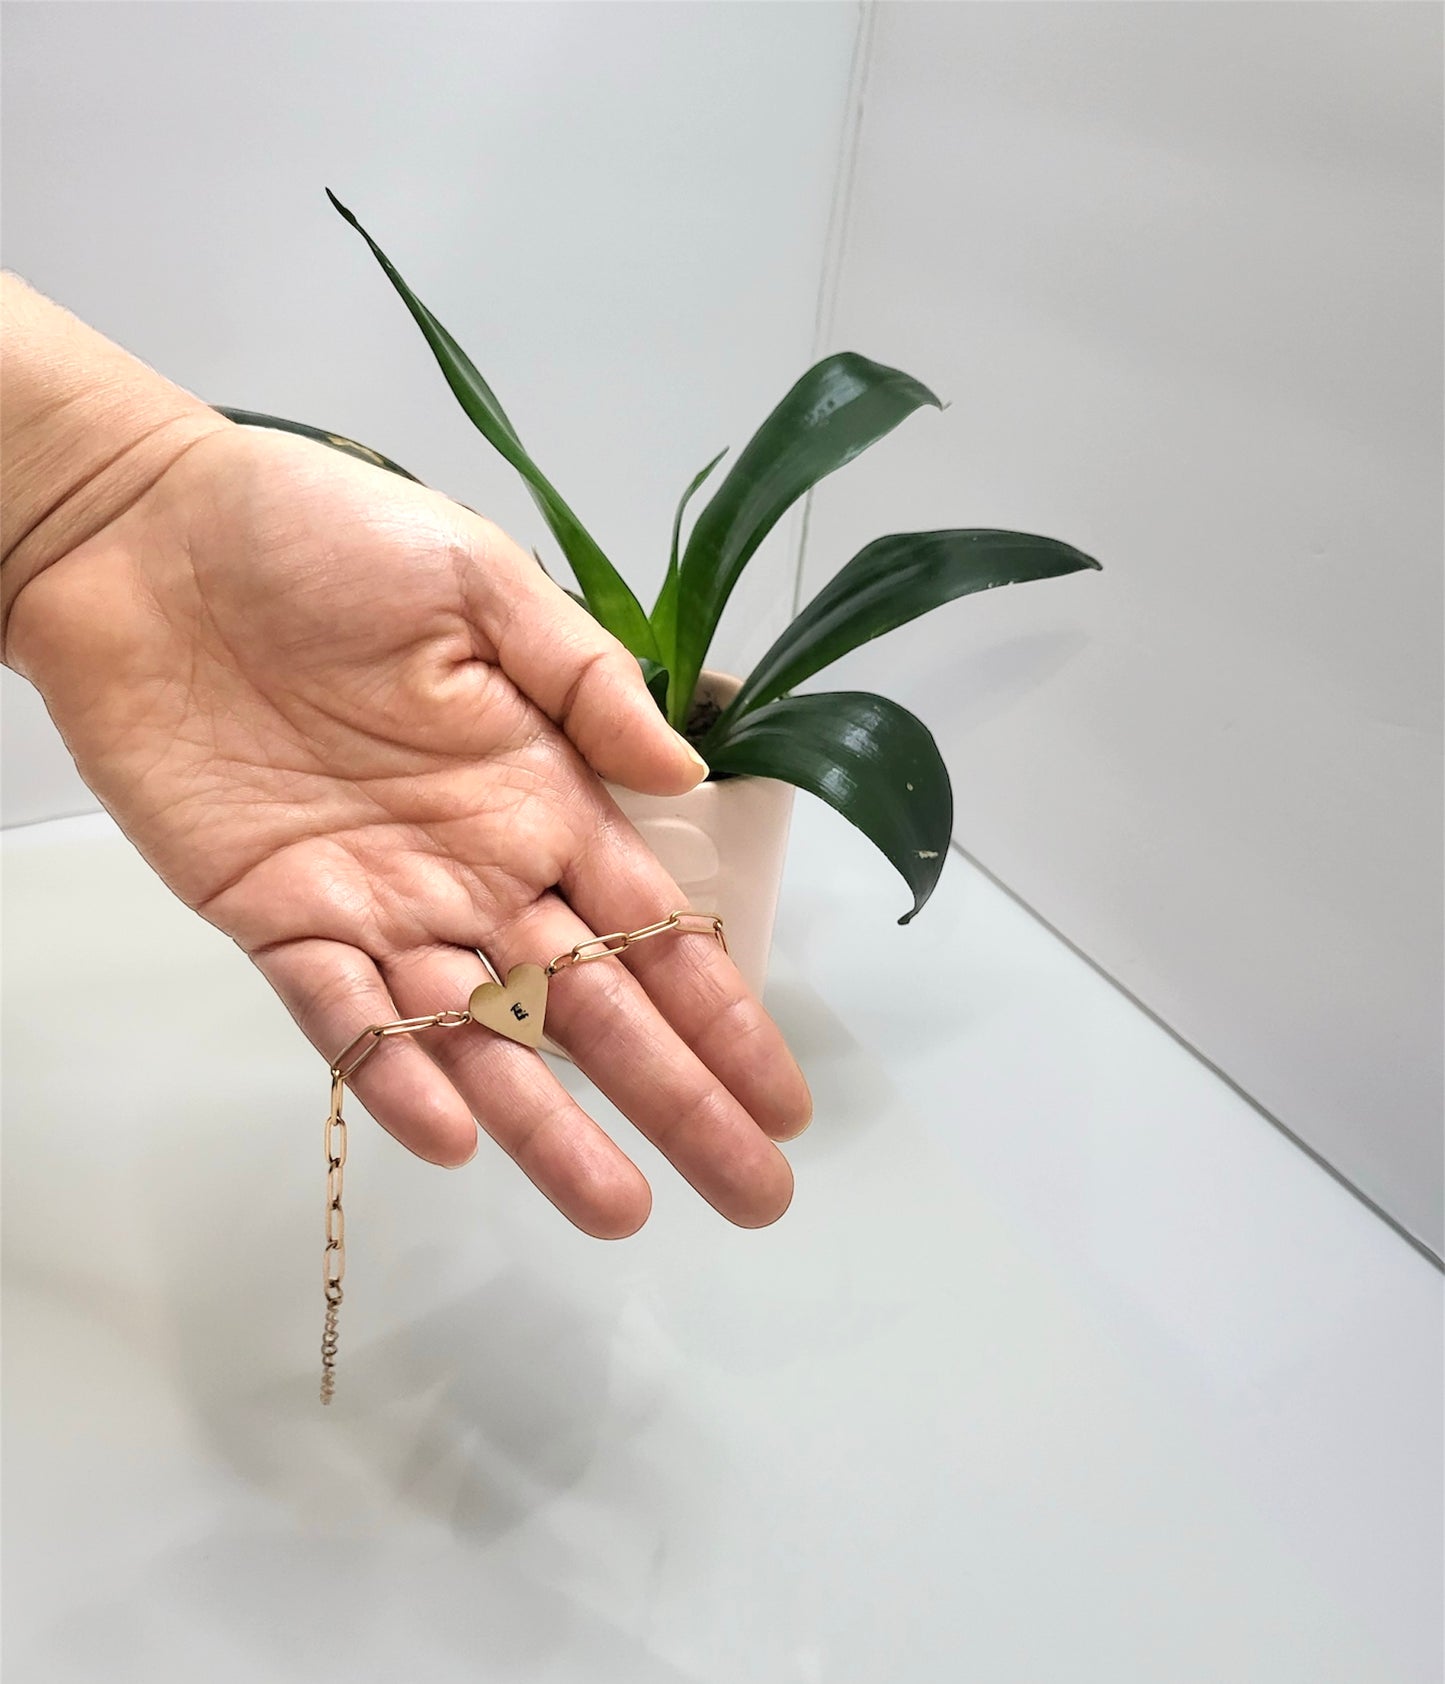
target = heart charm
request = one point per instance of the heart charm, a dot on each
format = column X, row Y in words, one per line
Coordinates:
column 515, row 1008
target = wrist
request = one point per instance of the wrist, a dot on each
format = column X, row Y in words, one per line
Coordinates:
column 85, row 430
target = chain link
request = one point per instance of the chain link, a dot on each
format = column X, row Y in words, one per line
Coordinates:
column 356, row 1052
column 609, row 947
column 333, row 1257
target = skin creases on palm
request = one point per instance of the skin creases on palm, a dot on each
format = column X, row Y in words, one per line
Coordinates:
column 360, row 731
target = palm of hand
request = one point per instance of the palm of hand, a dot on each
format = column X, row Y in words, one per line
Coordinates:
column 321, row 702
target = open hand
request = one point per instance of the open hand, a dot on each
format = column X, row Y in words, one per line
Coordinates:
column 361, row 732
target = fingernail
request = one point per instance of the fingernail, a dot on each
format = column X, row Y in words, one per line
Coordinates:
column 696, row 759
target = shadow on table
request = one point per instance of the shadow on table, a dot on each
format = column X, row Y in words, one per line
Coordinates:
column 469, row 1421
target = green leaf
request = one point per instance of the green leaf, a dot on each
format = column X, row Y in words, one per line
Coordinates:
column 576, row 596
column 664, row 612
column 892, row 581
column 364, row 452
column 607, row 593
column 839, row 407
column 654, row 676
column 868, row 758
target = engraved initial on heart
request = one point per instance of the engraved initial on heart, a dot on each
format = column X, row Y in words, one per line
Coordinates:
column 515, row 1008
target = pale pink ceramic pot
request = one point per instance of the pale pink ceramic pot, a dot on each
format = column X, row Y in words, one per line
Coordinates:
column 723, row 843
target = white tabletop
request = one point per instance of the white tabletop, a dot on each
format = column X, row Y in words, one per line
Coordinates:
column 1064, row 1366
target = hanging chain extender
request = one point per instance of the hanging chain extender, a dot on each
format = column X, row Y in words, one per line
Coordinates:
column 515, row 1008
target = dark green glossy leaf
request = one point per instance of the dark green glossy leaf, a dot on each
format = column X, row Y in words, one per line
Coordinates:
column 364, row 452
column 868, row 758
column 892, row 581
column 608, row 595
column 839, row 407
column 664, row 613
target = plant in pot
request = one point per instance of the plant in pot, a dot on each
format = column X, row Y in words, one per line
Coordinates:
column 867, row 757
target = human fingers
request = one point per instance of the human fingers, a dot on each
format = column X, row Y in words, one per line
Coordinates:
column 603, row 1017
column 520, row 1103
column 616, row 882
column 335, row 992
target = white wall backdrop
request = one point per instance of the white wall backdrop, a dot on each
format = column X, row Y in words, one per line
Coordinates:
column 620, row 210
column 1178, row 269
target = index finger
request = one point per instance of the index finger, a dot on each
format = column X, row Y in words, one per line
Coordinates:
column 615, row 882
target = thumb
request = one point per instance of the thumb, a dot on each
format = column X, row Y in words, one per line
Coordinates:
column 576, row 672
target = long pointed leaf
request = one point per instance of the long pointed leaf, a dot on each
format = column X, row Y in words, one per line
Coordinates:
column 839, row 407
column 868, row 758
column 607, row 593
column 664, row 611
column 892, row 581
column 363, row 452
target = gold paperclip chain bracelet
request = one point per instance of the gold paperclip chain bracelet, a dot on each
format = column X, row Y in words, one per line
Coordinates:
column 516, row 1008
